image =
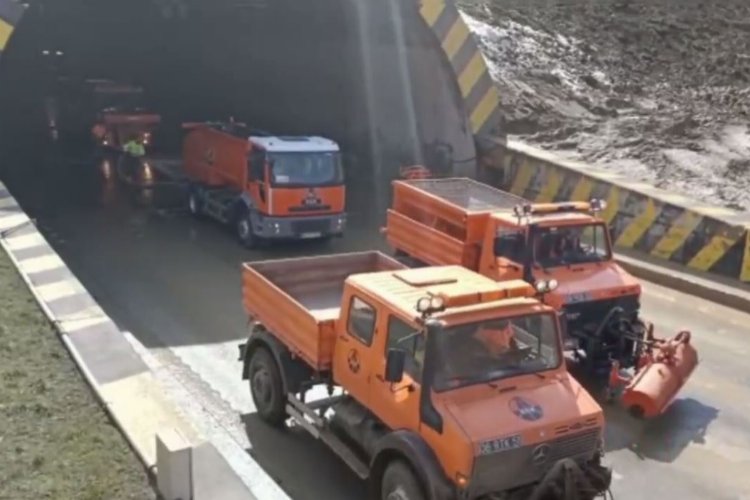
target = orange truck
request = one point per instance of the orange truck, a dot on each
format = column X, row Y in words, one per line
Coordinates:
column 121, row 114
column 437, row 383
column 502, row 236
column 265, row 187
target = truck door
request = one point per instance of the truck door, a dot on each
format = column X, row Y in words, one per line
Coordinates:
column 397, row 405
column 257, row 185
column 354, row 346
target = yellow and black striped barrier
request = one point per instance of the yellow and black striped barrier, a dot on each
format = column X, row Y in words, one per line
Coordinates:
column 10, row 14
column 462, row 51
column 645, row 219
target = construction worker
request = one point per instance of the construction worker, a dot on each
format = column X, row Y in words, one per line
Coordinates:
column 134, row 151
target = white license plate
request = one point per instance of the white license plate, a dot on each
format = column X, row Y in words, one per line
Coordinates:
column 308, row 236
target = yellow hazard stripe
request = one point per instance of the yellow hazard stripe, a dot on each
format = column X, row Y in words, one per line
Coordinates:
column 5, row 31
column 431, row 10
column 552, row 184
column 484, row 109
column 613, row 204
column 677, row 234
column 711, row 253
column 745, row 271
column 638, row 226
column 455, row 38
column 523, row 177
column 582, row 191
column 471, row 74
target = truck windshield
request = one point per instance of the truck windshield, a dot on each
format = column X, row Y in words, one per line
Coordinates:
column 496, row 349
column 305, row 169
column 564, row 245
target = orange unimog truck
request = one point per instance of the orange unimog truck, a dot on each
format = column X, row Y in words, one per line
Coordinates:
column 265, row 187
column 441, row 384
column 502, row 236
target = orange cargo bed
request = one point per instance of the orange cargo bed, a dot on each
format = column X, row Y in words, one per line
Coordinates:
column 299, row 300
column 443, row 221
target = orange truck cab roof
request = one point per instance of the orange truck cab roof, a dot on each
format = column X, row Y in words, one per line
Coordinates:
column 463, row 291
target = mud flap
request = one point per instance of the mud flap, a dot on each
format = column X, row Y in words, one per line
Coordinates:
column 567, row 480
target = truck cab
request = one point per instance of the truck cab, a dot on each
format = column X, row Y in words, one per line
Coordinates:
column 453, row 386
column 570, row 244
column 267, row 187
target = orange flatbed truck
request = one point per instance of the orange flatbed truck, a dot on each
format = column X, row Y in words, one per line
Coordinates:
column 265, row 187
column 441, row 383
column 502, row 236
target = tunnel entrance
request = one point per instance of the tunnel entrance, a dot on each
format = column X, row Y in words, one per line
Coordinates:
column 368, row 74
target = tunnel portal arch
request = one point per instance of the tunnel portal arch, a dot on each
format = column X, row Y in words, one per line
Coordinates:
column 383, row 76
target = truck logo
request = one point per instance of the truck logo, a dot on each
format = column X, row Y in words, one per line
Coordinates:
column 311, row 199
column 525, row 409
column 540, row 455
column 353, row 360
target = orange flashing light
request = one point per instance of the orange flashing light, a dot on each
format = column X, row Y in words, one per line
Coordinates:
column 529, row 209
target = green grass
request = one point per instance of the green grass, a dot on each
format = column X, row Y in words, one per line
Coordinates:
column 56, row 441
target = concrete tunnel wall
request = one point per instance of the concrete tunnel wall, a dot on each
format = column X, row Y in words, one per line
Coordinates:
column 383, row 77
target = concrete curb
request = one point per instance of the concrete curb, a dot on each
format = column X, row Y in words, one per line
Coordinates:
column 121, row 380
column 675, row 279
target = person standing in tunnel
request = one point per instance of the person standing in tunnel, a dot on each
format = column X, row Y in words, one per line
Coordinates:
column 134, row 153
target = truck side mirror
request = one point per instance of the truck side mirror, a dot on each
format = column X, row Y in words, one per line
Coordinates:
column 394, row 365
column 612, row 235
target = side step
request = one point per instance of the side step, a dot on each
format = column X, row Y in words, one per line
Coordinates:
column 306, row 417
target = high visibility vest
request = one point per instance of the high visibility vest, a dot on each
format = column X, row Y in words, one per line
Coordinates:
column 135, row 149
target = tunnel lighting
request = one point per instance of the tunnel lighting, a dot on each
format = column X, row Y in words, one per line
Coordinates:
column 59, row 52
column 46, row 52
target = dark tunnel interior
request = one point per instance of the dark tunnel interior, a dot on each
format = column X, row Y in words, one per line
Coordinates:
column 368, row 74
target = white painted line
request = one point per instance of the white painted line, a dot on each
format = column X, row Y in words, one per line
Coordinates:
column 12, row 220
column 25, row 241
column 42, row 263
column 59, row 290
column 91, row 316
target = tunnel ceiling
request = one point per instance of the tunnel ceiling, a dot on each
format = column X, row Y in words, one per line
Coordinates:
column 377, row 75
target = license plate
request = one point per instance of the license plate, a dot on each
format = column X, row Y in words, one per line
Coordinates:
column 499, row 445
column 308, row 236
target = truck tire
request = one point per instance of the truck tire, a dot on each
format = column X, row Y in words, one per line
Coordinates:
column 243, row 229
column 267, row 388
column 400, row 483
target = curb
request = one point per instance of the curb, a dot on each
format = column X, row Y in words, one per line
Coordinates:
column 119, row 377
column 676, row 279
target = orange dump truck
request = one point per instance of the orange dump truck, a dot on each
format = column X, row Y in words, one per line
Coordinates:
column 441, row 383
column 502, row 236
column 265, row 187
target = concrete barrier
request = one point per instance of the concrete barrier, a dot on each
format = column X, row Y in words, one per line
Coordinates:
column 119, row 377
column 647, row 221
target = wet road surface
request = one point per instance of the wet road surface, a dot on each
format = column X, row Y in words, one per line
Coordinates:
column 174, row 282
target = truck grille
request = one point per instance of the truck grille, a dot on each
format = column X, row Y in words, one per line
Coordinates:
column 510, row 469
column 311, row 226
column 582, row 313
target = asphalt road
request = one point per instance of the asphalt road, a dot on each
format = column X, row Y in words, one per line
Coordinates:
column 174, row 283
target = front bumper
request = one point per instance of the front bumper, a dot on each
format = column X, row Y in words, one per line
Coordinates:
column 299, row 228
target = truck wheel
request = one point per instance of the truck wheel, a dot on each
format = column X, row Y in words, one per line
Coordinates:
column 267, row 388
column 400, row 483
column 243, row 228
